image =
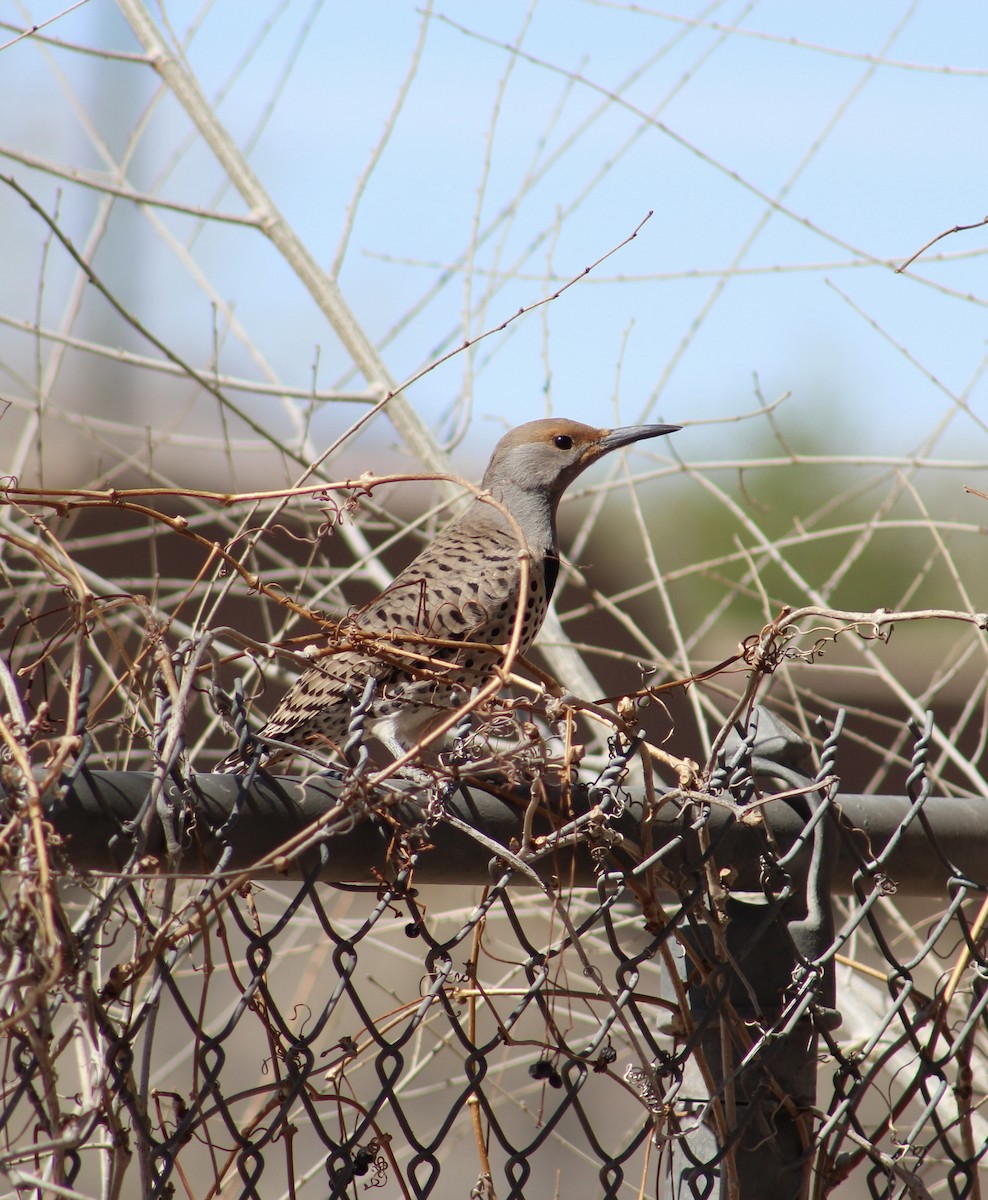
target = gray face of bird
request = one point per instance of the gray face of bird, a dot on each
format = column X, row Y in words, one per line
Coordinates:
column 546, row 456
column 534, row 464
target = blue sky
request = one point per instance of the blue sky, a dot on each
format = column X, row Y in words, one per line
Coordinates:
column 869, row 158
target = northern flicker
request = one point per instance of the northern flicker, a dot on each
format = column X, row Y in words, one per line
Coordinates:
column 463, row 588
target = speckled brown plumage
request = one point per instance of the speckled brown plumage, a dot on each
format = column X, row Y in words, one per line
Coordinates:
column 463, row 588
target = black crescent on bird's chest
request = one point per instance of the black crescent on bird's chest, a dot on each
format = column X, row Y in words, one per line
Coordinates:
column 550, row 565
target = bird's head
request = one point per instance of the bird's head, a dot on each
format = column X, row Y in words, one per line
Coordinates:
column 546, row 456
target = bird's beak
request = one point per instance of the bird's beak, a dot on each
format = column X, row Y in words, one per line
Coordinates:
column 613, row 439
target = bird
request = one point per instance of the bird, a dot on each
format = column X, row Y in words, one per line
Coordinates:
column 442, row 627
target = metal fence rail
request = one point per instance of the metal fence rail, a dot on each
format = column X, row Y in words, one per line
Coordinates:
column 639, row 1001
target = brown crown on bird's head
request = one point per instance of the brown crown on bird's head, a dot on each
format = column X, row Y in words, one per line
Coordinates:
column 548, row 455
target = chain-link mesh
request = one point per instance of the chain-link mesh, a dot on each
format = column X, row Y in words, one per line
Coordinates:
column 217, row 1037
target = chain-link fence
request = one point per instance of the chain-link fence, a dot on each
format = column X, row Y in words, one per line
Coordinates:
column 646, row 996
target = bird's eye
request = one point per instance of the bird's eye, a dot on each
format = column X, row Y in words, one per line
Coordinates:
column 562, row 441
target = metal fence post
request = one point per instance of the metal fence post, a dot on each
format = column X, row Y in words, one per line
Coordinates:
column 755, row 999
column 763, row 1083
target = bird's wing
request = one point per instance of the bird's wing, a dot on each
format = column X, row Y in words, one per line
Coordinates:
column 324, row 694
column 461, row 587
